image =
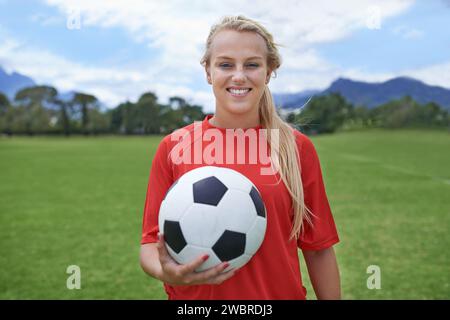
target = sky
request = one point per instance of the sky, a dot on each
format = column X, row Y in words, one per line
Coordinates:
column 119, row 49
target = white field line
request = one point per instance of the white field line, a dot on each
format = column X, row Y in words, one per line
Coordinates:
column 359, row 158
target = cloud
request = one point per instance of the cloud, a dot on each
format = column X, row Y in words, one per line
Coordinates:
column 162, row 23
column 177, row 30
column 437, row 74
column 109, row 84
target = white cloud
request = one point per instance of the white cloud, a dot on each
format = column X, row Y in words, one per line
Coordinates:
column 437, row 74
column 178, row 29
column 109, row 84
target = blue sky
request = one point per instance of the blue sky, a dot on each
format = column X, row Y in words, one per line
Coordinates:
column 390, row 48
column 123, row 50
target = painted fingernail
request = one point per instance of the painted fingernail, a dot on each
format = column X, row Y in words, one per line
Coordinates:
column 205, row 257
column 226, row 265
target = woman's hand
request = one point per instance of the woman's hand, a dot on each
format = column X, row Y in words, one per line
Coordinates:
column 173, row 273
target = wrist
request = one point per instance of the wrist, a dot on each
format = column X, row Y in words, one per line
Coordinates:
column 159, row 275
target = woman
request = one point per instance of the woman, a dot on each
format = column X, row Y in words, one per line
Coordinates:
column 239, row 59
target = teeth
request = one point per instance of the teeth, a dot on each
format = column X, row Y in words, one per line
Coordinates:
column 239, row 91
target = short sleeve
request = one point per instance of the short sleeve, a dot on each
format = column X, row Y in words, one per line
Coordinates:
column 322, row 234
column 159, row 182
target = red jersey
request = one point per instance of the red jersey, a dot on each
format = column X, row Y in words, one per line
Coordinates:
column 274, row 271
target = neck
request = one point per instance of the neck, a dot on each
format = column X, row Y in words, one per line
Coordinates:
column 234, row 121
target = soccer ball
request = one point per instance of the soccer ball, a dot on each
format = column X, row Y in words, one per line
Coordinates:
column 213, row 210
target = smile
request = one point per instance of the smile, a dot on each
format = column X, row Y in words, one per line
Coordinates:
column 239, row 92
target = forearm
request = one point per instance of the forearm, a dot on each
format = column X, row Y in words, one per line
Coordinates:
column 324, row 273
column 150, row 261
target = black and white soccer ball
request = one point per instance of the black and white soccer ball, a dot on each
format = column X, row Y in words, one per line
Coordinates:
column 213, row 210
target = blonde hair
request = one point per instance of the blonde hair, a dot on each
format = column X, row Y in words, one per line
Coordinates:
column 269, row 118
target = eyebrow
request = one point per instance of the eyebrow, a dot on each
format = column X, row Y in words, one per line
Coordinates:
column 225, row 57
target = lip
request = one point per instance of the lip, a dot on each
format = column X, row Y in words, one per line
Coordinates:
column 239, row 95
column 237, row 88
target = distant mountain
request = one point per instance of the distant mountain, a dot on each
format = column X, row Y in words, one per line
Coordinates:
column 293, row 100
column 11, row 83
column 375, row 94
column 356, row 92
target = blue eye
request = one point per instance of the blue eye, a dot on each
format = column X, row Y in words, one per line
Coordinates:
column 228, row 65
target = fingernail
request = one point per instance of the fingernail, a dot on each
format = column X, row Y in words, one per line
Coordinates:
column 205, row 257
column 226, row 265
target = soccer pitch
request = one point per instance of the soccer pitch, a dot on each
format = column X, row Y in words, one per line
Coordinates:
column 79, row 201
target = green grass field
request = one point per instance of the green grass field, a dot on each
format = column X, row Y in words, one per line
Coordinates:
column 79, row 201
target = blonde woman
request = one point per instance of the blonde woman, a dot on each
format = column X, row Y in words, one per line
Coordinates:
column 239, row 60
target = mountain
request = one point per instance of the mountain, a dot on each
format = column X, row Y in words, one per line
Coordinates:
column 375, row 94
column 11, row 83
column 356, row 92
column 293, row 100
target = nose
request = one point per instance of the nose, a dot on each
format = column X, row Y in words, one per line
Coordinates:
column 238, row 76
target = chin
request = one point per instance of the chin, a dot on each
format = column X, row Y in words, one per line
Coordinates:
column 238, row 109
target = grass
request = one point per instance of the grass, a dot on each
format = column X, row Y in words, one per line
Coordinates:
column 79, row 201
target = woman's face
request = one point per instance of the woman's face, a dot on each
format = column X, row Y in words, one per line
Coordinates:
column 238, row 71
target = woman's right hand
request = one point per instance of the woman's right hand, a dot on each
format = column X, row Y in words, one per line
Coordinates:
column 174, row 273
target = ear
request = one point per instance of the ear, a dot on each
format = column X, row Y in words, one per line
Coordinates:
column 208, row 75
column 268, row 76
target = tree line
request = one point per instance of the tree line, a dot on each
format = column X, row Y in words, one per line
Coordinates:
column 39, row 110
column 330, row 113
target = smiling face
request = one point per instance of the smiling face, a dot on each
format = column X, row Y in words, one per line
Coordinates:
column 238, row 72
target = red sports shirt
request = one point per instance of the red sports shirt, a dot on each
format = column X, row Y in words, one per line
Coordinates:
column 274, row 271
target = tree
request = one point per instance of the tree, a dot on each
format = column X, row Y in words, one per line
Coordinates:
column 5, row 107
column 83, row 103
column 36, row 103
column 147, row 114
column 63, row 118
column 324, row 114
column 185, row 113
column 118, row 117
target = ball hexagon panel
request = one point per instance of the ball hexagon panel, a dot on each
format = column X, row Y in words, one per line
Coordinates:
column 255, row 235
column 209, row 190
column 174, row 236
column 234, row 180
column 238, row 262
column 177, row 198
column 200, row 225
column 257, row 201
column 191, row 252
column 230, row 245
column 237, row 211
